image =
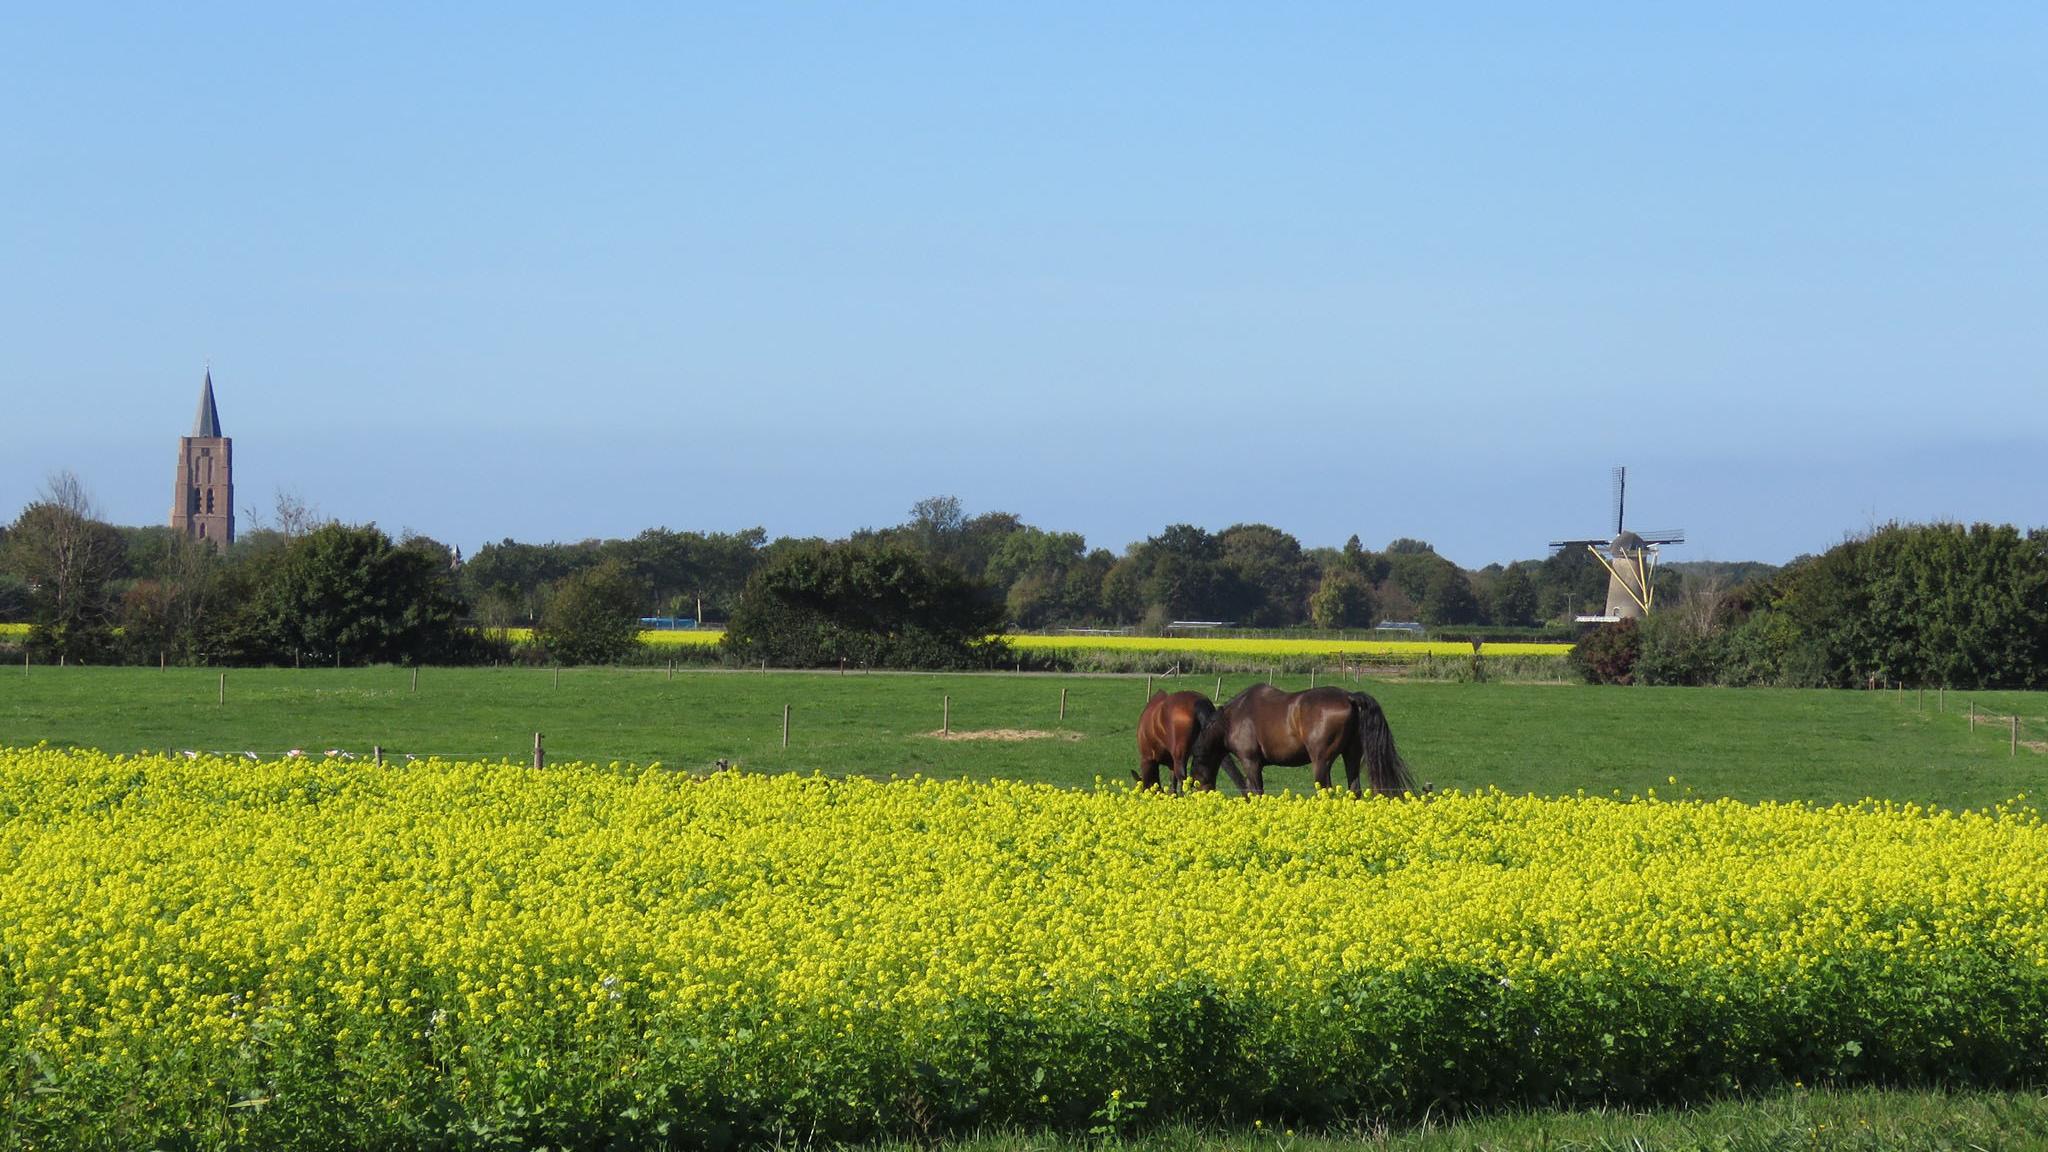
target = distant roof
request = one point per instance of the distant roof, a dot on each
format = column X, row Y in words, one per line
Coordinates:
column 208, row 422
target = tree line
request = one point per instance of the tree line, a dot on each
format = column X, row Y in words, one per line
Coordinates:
column 299, row 589
column 1921, row 604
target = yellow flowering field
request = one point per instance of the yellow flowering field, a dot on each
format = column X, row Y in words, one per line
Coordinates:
column 659, row 638
column 1392, row 650
column 1274, row 646
column 14, row 631
column 310, row 953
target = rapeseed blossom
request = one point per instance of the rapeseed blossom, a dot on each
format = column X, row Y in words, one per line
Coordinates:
column 315, row 952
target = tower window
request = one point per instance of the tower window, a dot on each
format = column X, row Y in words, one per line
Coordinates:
column 209, row 501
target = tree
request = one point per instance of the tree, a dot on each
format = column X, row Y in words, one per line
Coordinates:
column 1448, row 598
column 68, row 559
column 680, row 570
column 1269, row 573
column 870, row 603
column 1035, row 571
column 1182, row 573
column 593, row 617
column 1925, row 603
column 184, row 612
column 1411, row 572
column 348, row 594
column 1514, row 596
column 1342, row 600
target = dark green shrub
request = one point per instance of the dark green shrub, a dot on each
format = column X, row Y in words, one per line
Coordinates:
column 1607, row 653
column 876, row 604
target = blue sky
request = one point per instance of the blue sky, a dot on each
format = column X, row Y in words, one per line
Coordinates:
column 534, row 271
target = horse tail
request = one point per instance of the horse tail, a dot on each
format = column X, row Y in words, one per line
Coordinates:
column 1384, row 768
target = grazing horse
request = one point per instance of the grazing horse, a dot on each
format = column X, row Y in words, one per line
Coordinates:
column 1167, row 731
column 1263, row 725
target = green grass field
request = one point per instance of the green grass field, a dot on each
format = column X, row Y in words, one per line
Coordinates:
column 1752, row 744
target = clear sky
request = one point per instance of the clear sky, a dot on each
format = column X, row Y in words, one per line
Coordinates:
column 557, row 271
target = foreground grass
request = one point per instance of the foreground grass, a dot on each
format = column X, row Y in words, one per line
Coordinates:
column 1752, row 744
column 1863, row 1120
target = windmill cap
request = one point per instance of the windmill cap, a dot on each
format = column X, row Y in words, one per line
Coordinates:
column 1627, row 539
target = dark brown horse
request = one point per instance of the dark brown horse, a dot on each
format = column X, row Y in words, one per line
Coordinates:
column 1263, row 725
column 1167, row 731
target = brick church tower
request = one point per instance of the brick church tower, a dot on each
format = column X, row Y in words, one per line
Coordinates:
column 203, row 508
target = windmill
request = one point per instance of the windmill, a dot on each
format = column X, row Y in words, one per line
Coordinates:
column 1630, row 559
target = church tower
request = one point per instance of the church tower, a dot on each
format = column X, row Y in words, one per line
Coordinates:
column 203, row 508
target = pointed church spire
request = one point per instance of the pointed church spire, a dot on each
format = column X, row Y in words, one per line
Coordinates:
column 208, row 422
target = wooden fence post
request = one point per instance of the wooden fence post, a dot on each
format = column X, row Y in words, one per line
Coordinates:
column 1148, row 686
column 558, row 675
column 785, row 725
column 377, row 754
column 1063, row 703
column 160, row 660
column 1311, row 677
column 671, row 668
column 946, row 716
column 415, row 679
column 223, row 688
column 2015, row 735
column 538, row 758
column 1973, row 715
column 1219, row 688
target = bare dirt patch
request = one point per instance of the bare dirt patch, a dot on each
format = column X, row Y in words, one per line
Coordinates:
column 1003, row 734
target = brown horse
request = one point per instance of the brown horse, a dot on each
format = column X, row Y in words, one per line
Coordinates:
column 1263, row 725
column 1167, row 731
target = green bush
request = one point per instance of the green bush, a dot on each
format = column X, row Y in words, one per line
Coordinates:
column 1607, row 653
column 593, row 617
column 872, row 604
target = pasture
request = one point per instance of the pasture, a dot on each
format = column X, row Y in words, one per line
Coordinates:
column 1749, row 744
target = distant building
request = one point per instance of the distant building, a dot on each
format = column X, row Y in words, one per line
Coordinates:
column 203, row 506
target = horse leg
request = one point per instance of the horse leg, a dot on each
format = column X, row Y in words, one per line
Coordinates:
column 1148, row 774
column 1236, row 777
column 1351, row 771
column 1322, row 772
column 1255, row 774
column 1180, row 772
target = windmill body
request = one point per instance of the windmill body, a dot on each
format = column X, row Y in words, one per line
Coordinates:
column 1630, row 559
